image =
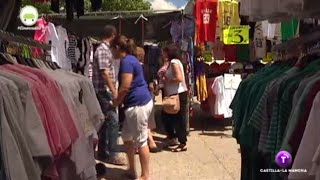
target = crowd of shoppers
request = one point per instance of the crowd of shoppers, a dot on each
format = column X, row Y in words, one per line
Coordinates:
column 130, row 88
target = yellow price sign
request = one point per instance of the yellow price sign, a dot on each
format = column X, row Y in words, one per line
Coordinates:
column 236, row 35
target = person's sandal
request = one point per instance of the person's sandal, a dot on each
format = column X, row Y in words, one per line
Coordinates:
column 180, row 148
column 170, row 142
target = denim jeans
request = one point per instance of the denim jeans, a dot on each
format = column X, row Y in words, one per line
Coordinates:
column 109, row 132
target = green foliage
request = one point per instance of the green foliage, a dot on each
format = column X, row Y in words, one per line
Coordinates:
column 126, row 5
column 42, row 7
column 108, row 5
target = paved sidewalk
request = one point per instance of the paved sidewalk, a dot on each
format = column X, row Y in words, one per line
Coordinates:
column 212, row 155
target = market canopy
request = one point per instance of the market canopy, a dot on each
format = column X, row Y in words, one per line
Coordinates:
column 156, row 27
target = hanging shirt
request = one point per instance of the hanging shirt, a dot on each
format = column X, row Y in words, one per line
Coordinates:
column 71, row 51
column 63, row 46
column 268, row 29
column 289, row 29
column 53, row 39
column 228, row 14
column 260, row 43
column 230, row 52
column 309, row 145
column 224, row 97
column 206, row 20
column 217, row 49
column 40, row 34
column 58, row 39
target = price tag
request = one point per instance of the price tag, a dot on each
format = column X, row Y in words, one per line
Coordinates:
column 236, row 35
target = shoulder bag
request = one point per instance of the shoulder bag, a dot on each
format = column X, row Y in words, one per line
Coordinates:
column 171, row 104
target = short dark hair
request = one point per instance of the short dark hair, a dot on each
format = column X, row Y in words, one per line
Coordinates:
column 173, row 51
column 124, row 44
column 109, row 31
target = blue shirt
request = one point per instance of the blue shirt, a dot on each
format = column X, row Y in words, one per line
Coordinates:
column 138, row 94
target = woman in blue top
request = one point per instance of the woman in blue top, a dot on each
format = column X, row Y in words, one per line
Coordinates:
column 135, row 96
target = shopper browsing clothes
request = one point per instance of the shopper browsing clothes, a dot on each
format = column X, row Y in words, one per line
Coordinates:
column 135, row 96
column 175, row 88
column 152, row 87
column 104, row 79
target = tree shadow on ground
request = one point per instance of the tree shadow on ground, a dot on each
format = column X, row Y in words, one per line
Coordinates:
column 114, row 174
column 200, row 121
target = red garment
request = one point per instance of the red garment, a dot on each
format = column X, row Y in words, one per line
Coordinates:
column 220, row 68
column 217, row 49
column 40, row 35
column 297, row 135
column 230, row 52
column 53, row 110
column 206, row 20
column 224, row 67
column 39, row 95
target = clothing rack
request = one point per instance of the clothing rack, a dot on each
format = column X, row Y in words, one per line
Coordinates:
column 118, row 12
column 303, row 40
column 19, row 39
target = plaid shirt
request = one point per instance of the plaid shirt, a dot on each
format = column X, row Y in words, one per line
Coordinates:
column 103, row 60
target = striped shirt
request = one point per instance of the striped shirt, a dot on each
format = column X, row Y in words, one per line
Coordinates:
column 72, row 50
column 103, row 60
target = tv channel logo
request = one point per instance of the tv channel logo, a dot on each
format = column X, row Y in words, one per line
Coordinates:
column 283, row 159
column 29, row 15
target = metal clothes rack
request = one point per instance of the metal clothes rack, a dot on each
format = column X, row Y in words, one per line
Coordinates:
column 10, row 37
column 299, row 41
column 118, row 12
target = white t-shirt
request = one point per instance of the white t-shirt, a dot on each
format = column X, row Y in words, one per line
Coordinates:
column 225, row 92
column 59, row 40
column 260, row 43
column 63, row 46
column 175, row 88
column 269, row 30
column 53, row 39
column 116, row 68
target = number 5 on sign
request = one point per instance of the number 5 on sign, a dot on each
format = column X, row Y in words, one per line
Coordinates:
column 236, row 35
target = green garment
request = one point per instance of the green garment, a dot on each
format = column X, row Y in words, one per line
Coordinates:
column 247, row 96
column 289, row 29
column 261, row 119
column 310, row 70
column 243, row 53
column 256, row 91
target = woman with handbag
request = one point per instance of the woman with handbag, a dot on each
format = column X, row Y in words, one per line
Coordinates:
column 175, row 94
column 138, row 104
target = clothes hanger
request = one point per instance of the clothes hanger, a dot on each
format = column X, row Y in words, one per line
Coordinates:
column 120, row 17
column 4, row 60
column 141, row 17
column 169, row 23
